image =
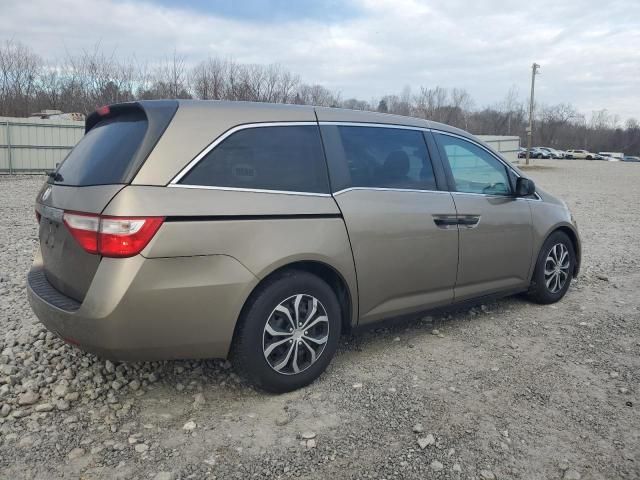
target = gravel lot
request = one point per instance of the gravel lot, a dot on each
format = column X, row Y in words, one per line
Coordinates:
column 504, row 390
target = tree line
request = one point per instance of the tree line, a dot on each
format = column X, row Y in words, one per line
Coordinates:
column 85, row 81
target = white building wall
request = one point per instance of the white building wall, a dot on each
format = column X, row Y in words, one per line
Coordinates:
column 36, row 145
column 507, row 146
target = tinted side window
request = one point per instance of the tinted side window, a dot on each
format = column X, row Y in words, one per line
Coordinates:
column 286, row 158
column 474, row 170
column 378, row 157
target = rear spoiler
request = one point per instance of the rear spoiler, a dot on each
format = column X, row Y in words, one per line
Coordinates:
column 158, row 114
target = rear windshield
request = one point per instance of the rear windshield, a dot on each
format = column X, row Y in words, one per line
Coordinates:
column 105, row 153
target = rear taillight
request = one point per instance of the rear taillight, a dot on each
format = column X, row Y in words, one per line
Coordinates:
column 112, row 236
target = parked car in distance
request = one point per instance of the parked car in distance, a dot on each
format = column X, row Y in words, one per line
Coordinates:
column 537, row 152
column 631, row 159
column 618, row 155
column 200, row 229
column 522, row 152
column 553, row 153
column 580, row 154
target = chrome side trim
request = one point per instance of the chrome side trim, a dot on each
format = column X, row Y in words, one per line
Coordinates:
column 498, row 196
column 226, row 135
column 382, row 189
column 252, row 190
column 375, row 125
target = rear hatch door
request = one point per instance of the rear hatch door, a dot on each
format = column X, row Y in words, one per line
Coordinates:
column 118, row 139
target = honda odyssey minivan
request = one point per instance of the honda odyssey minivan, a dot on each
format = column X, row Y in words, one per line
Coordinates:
column 199, row 229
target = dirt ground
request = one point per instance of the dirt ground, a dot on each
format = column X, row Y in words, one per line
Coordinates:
column 507, row 390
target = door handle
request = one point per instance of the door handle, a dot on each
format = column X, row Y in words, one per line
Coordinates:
column 445, row 221
column 469, row 221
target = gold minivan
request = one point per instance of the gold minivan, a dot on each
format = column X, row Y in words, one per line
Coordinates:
column 199, row 229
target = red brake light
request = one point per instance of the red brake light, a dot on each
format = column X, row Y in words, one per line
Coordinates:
column 103, row 111
column 112, row 236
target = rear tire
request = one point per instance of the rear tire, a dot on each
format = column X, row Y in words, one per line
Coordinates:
column 288, row 332
column 554, row 269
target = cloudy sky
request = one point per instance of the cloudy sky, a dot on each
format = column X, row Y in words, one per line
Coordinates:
column 589, row 50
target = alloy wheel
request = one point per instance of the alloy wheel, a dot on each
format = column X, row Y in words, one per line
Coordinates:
column 295, row 334
column 556, row 267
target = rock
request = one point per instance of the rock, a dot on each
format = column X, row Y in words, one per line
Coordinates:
column 456, row 468
column 417, row 428
column 134, row 385
column 604, row 278
column 436, row 466
column 28, row 398
column 199, row 400
column 487, row 475
column 44, row 407
column 435, row 331
column 109, row 366
column 164, row 476
column 190, row 426
column 60, row 390
column 26, row 441
column 282, row 420
column 8, row 370
column 311, row 443
column 623, row 390
column 62, row 405
column 5, row 410
column 571, row 474
column 72, row 396
column 424, row 442
column 614, row 374
column 397, row 339
column 75, row 453
column 357, row 385
column 308, row 435
column 116, row 385
column 141, row 447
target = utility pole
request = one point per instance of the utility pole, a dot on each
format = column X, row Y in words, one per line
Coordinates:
column 534, row 72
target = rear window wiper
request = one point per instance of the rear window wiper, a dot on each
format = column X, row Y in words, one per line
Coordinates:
column 55, row 176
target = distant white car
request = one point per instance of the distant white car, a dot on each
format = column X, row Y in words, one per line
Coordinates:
column 580, row 154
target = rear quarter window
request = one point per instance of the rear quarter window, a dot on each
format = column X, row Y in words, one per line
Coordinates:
column 105, row 154
column 283, row 158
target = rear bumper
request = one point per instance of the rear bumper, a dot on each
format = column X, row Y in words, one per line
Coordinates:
column 149, row 309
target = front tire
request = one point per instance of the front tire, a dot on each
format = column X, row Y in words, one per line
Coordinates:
column 554, row 269
column 288, row 332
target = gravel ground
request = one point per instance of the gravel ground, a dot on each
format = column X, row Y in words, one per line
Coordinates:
column 503, row 390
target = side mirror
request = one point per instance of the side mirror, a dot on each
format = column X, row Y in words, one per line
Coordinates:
column 525, row 187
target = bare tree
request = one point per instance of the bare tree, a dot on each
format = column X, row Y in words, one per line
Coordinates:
column 94, row 77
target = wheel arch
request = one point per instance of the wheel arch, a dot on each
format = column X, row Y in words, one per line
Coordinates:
column 326, row 272
column 575, row 241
